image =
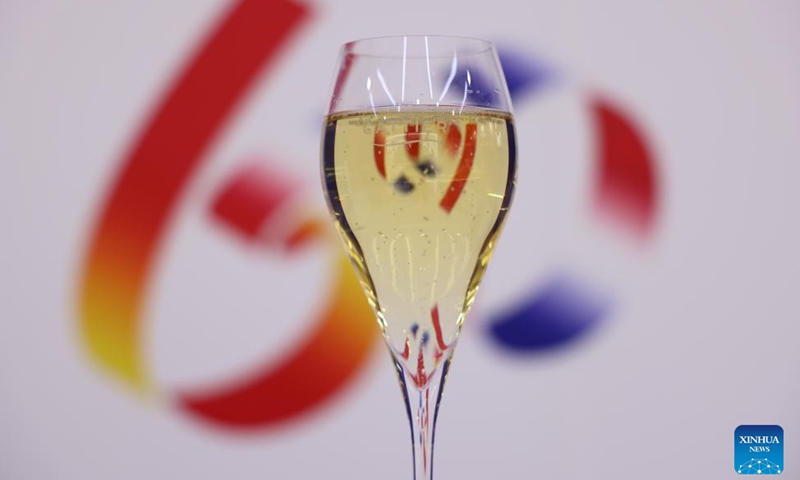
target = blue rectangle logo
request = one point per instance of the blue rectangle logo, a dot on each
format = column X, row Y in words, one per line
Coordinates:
column 758, row 450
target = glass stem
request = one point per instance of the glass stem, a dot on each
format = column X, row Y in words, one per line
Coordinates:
column 422, row 407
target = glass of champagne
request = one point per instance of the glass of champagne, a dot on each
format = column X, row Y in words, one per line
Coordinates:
column 419, row 167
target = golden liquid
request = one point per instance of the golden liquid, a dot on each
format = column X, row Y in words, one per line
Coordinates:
column 419, row 198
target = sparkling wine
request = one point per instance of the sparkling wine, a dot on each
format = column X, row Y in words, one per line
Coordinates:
column 419, row 198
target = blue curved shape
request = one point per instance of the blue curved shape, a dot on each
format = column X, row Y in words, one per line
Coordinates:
column 560, row 312
column 524, row 74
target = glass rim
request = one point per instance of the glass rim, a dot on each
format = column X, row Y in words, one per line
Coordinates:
column 469, row 45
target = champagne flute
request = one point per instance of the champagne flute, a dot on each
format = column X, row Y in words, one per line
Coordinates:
column 419, row 167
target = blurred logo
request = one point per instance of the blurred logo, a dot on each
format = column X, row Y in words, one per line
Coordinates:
column 132, row 223
column 758, row 449
column 624, row 193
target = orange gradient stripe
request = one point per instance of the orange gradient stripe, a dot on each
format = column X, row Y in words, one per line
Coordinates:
column 111, row 307
column 326, row 360
column 161, row 162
